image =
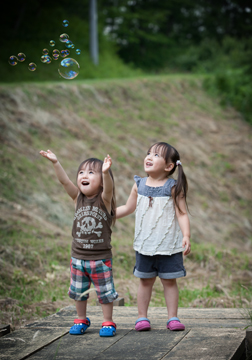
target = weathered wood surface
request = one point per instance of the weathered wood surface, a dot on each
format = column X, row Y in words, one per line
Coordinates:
column 209, row 334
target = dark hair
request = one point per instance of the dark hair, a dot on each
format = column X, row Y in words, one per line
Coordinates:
column 96, row 164
column 171, row 155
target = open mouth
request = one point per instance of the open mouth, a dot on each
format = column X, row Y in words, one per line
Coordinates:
column 85, row 183
column 148, row 163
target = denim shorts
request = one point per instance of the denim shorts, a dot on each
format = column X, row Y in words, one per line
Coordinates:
column 164, row 266
column 98, row 272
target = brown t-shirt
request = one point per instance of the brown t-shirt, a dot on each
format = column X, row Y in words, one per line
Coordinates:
column 91, row 230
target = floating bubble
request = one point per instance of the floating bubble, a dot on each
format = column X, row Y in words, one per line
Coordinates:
column 21, row 57
column 32, row 66
column 13, row 60
column 56, row 52
column 78, row 51
column 45, row 59
column 69, row 44
column 45, row 51
column 63, row 37
column 52, row 43
column 55, row 56
column 65, row 23
column 69, row 68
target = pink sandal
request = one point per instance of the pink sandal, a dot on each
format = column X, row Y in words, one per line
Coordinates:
column 142, row 324
column 175, row 324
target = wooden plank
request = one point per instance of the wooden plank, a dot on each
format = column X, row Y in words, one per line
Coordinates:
column 23, row 342
column 221, row 344
column 80, row 347
column 126, row 344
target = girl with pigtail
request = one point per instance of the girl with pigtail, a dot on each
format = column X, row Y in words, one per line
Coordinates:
column 162, row 230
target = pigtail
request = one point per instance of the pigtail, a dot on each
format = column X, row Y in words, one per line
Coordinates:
column 181, row 186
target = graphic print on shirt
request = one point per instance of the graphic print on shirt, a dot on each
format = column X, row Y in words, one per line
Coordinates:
column 89, row 221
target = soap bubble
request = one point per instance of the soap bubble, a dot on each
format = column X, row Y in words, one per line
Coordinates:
column 78, row 51
column 45, row 51
column 32, row 66
column 55, row 56
column 13, row 60
column 69, row 68
column 52, row 43
column 56, row 52
column 21, row 57
column 63, row 37
column 45, row 59
column 62, row 53
column 65, row 23
column 69, row 44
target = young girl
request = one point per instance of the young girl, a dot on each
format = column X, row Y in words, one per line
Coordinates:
column 91, row 261
column 162, row 230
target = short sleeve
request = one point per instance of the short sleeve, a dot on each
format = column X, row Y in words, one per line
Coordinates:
column 169, row 185
column 137, row 180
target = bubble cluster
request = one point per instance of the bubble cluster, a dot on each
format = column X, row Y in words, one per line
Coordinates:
column 69, row 68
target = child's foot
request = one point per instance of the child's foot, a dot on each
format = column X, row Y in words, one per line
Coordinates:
column 175, row 324
column 80, row 326
column 108, row 329
column 142, row 324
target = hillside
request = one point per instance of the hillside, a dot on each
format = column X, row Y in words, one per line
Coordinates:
column 77, row 120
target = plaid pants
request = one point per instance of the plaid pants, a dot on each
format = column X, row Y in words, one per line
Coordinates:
column 99, row 272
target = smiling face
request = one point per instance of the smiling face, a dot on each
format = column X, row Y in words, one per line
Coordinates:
column 89, row 179
column 155, row 164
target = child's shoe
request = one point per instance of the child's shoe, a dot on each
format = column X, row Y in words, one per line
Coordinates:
column 142, row 324
column 175, row 324
column 108, row 329
column 80, row 326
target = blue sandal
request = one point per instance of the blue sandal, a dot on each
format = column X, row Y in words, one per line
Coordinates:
column 108, row 329
column 80, row 326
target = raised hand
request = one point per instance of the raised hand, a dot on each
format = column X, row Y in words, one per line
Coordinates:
column 49, row 155
column 106, row 164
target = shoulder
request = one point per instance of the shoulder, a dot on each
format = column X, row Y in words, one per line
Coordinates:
column 139, row 180
column 168, row 186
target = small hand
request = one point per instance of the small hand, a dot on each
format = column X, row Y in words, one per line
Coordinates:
column 49, row 155
column 106, row 164
column 187, row 245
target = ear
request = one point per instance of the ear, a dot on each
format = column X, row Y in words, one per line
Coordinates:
column 169, row 167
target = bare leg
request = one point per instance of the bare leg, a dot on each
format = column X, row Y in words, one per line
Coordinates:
column 171, row 294
column 81, row 307
column 144, row 296
column 107, row 310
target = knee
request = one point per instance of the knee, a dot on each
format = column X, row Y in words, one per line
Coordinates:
column 169, row 282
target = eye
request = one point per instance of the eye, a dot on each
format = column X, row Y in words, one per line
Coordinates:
column 157, row 155
column 81, row 172
column 91, row 172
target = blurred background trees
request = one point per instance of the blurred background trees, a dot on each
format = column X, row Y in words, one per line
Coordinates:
column 138, row 37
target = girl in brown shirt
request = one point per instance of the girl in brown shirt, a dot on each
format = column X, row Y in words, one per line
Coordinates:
column 91, row 258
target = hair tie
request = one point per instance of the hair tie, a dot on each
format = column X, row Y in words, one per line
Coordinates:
column 178, row 162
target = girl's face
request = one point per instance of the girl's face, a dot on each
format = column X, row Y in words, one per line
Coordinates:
column 89, row 181
column 155, row 164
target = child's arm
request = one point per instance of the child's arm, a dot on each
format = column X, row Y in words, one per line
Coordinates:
column 107, row 180
column 130, row 205
column 184, row 224
column 70, row 188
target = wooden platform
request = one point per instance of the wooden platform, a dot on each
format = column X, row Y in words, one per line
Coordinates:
column 209, row 334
